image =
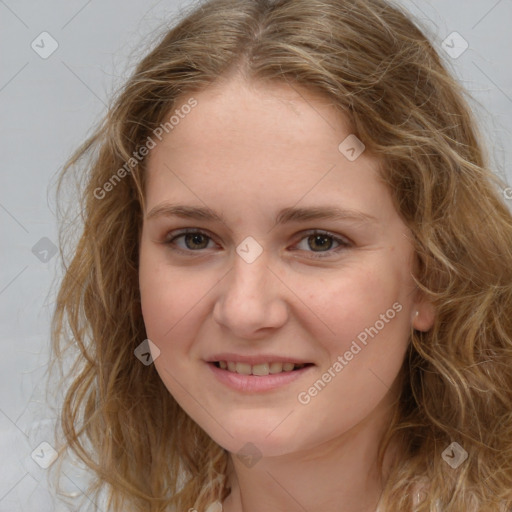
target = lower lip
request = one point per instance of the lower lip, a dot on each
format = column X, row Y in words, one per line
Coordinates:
column 257, row 383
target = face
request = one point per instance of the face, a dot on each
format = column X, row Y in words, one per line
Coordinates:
column 240, row 266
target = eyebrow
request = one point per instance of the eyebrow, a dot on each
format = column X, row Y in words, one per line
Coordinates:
column 286, row 215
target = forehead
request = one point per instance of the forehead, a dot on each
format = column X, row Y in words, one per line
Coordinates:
column 269, row 144
column 236, row 112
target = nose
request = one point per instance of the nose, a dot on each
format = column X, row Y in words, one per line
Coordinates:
column 252, row 299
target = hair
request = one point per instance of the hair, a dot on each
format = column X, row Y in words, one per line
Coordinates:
column 378, row 69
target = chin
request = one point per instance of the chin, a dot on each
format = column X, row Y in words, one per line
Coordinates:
column 254, row 440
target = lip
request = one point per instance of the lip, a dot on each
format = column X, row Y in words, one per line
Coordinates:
column 255, row 359
column 256, row 383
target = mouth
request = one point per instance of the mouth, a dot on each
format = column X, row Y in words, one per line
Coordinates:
column 257, row 373
column 258, row 377
column 260, row 369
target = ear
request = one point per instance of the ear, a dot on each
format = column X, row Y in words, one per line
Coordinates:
column 423, row 315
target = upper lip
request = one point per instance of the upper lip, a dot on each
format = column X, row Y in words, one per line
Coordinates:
column 256, row 359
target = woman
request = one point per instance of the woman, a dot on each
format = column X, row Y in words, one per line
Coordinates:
column 223, row 362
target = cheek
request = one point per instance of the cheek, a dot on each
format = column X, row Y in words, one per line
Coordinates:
column 356, row 300
column 175, row 303
column 167, row 293
column 167, row 300
column 365, row 312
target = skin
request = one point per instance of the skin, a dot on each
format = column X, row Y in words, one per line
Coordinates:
column 246, row 151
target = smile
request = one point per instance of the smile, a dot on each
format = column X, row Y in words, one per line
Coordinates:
column 257, row 378
column 261, row 369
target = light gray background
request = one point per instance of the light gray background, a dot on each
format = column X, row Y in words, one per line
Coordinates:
column 47, row 106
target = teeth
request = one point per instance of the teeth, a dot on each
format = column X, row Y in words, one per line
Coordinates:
column 243, row 368
column 261, row 369
column 276, row 367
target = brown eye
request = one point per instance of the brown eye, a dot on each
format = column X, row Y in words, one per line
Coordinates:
column 320, row 244
column 192, row 240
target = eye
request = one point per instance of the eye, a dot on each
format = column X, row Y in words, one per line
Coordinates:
column 195, row 240
column 324, row 241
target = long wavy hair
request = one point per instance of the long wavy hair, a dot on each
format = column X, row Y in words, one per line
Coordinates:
column 380, row 71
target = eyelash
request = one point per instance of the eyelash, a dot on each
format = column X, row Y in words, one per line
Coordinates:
column 343, row 244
